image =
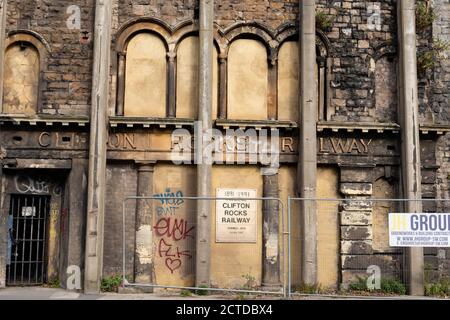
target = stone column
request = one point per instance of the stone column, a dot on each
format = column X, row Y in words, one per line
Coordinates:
column 97, row 151
column 3, row 8
column 307, row 169
column 271, row 233
column 223, row 80
column 172, row 62
column 143, row 263
column 203, row 263
column 77, row 182
column 409, row 121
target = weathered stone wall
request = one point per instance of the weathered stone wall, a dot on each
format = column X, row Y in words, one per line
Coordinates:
column 121, row 180
column 441, row 81
column 438, row 263
column 355, row 47
column 171, row 11
column 270, row 12
column 441, row 100
column 362, row 88
column 67, row 74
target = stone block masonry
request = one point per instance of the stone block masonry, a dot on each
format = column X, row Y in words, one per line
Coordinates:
column 68, row 71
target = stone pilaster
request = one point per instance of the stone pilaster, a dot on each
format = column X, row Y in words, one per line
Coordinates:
column 409, row 121
column 77, row 182
column 356, row 228
column 3, row 8
column 307, row 169
column 143, row 264
column 204, row 171
column 271, row 233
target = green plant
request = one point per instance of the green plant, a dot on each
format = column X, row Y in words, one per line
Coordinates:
column 432, row 55
column 202, row 292
column 440, row 289
column 425, row 15
column 392, row 286
column 250, row 282
column 388, row 286
column 186, row 293
column 324, row 22
column 111, row 283
column 309, row 289
column 54, row 283
column 358, row 285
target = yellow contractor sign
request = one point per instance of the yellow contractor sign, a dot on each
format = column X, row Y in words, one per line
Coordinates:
column 419, row 229
column 236, row 220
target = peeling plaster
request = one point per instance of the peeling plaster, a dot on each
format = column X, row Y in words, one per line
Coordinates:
column 144, row 244
column 272, row 248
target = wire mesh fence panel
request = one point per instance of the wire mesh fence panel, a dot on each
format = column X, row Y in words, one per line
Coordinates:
column 246, row 245
column 364, row 245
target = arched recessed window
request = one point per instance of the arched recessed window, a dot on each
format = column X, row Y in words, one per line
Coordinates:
column 247, row 80
column 187, row 79
column 145, row 77
column 386, row 99
column 288, row 82
column 21, row 79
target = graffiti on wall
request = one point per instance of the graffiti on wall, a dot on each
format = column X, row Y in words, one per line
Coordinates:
column 173, row 231
column 40, row 185
column 170, row 202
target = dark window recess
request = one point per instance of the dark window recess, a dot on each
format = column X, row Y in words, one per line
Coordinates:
column 27, row 240
column 66, row 139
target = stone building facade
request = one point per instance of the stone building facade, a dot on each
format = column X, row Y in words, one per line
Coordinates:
column 93, row 90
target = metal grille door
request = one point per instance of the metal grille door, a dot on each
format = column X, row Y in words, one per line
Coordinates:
column 27, row 240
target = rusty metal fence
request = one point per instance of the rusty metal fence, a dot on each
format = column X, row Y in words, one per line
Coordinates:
column 159, row 252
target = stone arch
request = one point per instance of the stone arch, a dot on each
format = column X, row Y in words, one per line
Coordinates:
column 25, row 60
column 248, row 72
column 145, row 83
column 288, row 81
column 386, row 88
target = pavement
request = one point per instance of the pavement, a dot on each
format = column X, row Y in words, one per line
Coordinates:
column 42, row 293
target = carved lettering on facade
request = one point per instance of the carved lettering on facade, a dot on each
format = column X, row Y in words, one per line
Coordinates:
column 344, row 146
column 128, row 141
column 46, row 140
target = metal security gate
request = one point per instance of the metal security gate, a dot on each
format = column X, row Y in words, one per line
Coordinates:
column 27, row 224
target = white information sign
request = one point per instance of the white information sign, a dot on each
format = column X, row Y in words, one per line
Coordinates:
column 419, row 229
column 236, row 220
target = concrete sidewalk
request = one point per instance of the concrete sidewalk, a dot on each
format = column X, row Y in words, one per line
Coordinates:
column 41, row 293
